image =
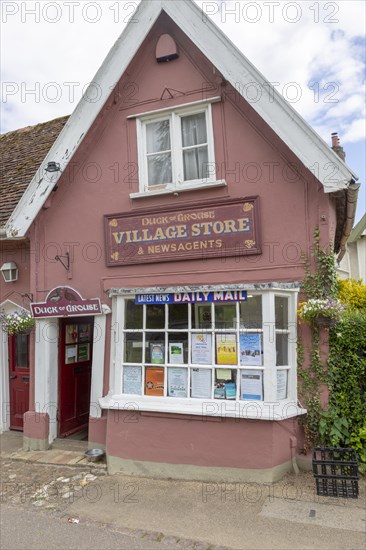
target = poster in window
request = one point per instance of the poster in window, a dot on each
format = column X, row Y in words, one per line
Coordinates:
column 177, row 382
column 84, row 332
column 281, row 384
column 132, row 378
column 176, row 353
column 70, row 354
column 202, row 349
column 154, row 381
column 83, row 352
column 251, row 384
column 157, row 351
column 225, row 386
column 251, row 349
column 201, row 383
column 226, row 349
column 71, row 334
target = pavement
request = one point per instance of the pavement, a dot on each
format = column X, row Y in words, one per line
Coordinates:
column 178, row 514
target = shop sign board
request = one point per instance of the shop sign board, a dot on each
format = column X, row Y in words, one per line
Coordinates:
column 64, row 301
column 219, row 296
column 217, row 229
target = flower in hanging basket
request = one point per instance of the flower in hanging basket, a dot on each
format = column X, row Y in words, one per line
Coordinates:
column 19, row 322
column 321, row 311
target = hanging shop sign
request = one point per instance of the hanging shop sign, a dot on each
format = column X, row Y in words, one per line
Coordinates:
column 213, row 230
column 65, row 301
column 192, row 297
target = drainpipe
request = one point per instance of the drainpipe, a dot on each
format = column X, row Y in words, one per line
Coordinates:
column 349, row 196
column 351, row 204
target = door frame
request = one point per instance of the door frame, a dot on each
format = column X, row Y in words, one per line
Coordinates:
column 47, row 369
column 9, row 307
column 62, row 324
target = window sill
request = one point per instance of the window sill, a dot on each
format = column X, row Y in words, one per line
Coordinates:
column 253, row 410
column 178, row 190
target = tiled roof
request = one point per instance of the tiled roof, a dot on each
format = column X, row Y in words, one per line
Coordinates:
column 22, row 151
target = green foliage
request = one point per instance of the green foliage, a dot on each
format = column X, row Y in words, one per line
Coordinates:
column 321, row 281
column 344, row 425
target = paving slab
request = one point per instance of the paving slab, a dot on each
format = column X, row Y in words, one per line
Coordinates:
column 313, row 513
column 231, row 518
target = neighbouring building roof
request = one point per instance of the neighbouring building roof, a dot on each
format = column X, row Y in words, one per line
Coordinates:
column 22, row 151
column 305, row 143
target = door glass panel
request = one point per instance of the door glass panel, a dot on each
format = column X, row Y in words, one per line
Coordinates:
column 21, row 351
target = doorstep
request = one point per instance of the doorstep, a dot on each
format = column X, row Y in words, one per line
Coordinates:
column 53, row 456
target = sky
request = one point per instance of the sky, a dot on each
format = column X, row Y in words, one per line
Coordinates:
column 313, row 52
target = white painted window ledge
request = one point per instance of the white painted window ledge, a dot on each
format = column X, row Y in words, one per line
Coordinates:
column 254, row 410
column 177, row 190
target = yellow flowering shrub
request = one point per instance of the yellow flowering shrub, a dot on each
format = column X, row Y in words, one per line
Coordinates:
column 352, row 293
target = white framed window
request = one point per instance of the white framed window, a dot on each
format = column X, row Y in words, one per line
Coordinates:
column 176, row 150
column 184, row 357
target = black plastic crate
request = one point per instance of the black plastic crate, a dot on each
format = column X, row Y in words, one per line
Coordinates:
column 336, row 472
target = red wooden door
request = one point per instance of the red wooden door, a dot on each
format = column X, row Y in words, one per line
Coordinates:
column 75, row 362
column 18, row 379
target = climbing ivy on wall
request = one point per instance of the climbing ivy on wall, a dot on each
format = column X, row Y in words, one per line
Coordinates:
column 343, row 424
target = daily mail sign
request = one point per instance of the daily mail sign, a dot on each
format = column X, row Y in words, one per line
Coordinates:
column 221, row 296
column 229, row 228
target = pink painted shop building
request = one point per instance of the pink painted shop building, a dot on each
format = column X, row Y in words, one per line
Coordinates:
column 160, row 245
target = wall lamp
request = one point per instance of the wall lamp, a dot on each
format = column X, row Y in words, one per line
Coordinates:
column 53, row 167
column 9, row 271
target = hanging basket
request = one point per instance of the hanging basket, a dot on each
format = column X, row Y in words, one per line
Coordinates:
column 324, row 321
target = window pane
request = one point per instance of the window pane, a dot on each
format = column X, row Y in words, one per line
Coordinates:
column 178, row 348
column 158, row 136
column 154, row 381
column 225, row 316
column 155, row 348
column 281, row 309
column 155, row 316
column 133, row 347
column 21, row 351
column 201, row 380
column 282, row 383
column 201, row 316
column 251, row 312
column 133, row 315
column 194, row 129
column 159, row 169
column 251, row 349
column 178, row 316
column 225, row 384
column 178, row 382
column 282, row 349
column 226, row 349
column 132, row 380
column 195, row 163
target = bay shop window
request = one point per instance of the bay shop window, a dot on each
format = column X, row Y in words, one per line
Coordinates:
column 188, row 352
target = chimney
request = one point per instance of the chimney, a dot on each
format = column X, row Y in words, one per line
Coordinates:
column 336, row 146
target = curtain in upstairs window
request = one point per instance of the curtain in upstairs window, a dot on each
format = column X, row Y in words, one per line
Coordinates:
column 194, row 143
column 159, row 155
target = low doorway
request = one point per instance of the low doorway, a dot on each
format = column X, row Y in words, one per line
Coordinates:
column 75, row 370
